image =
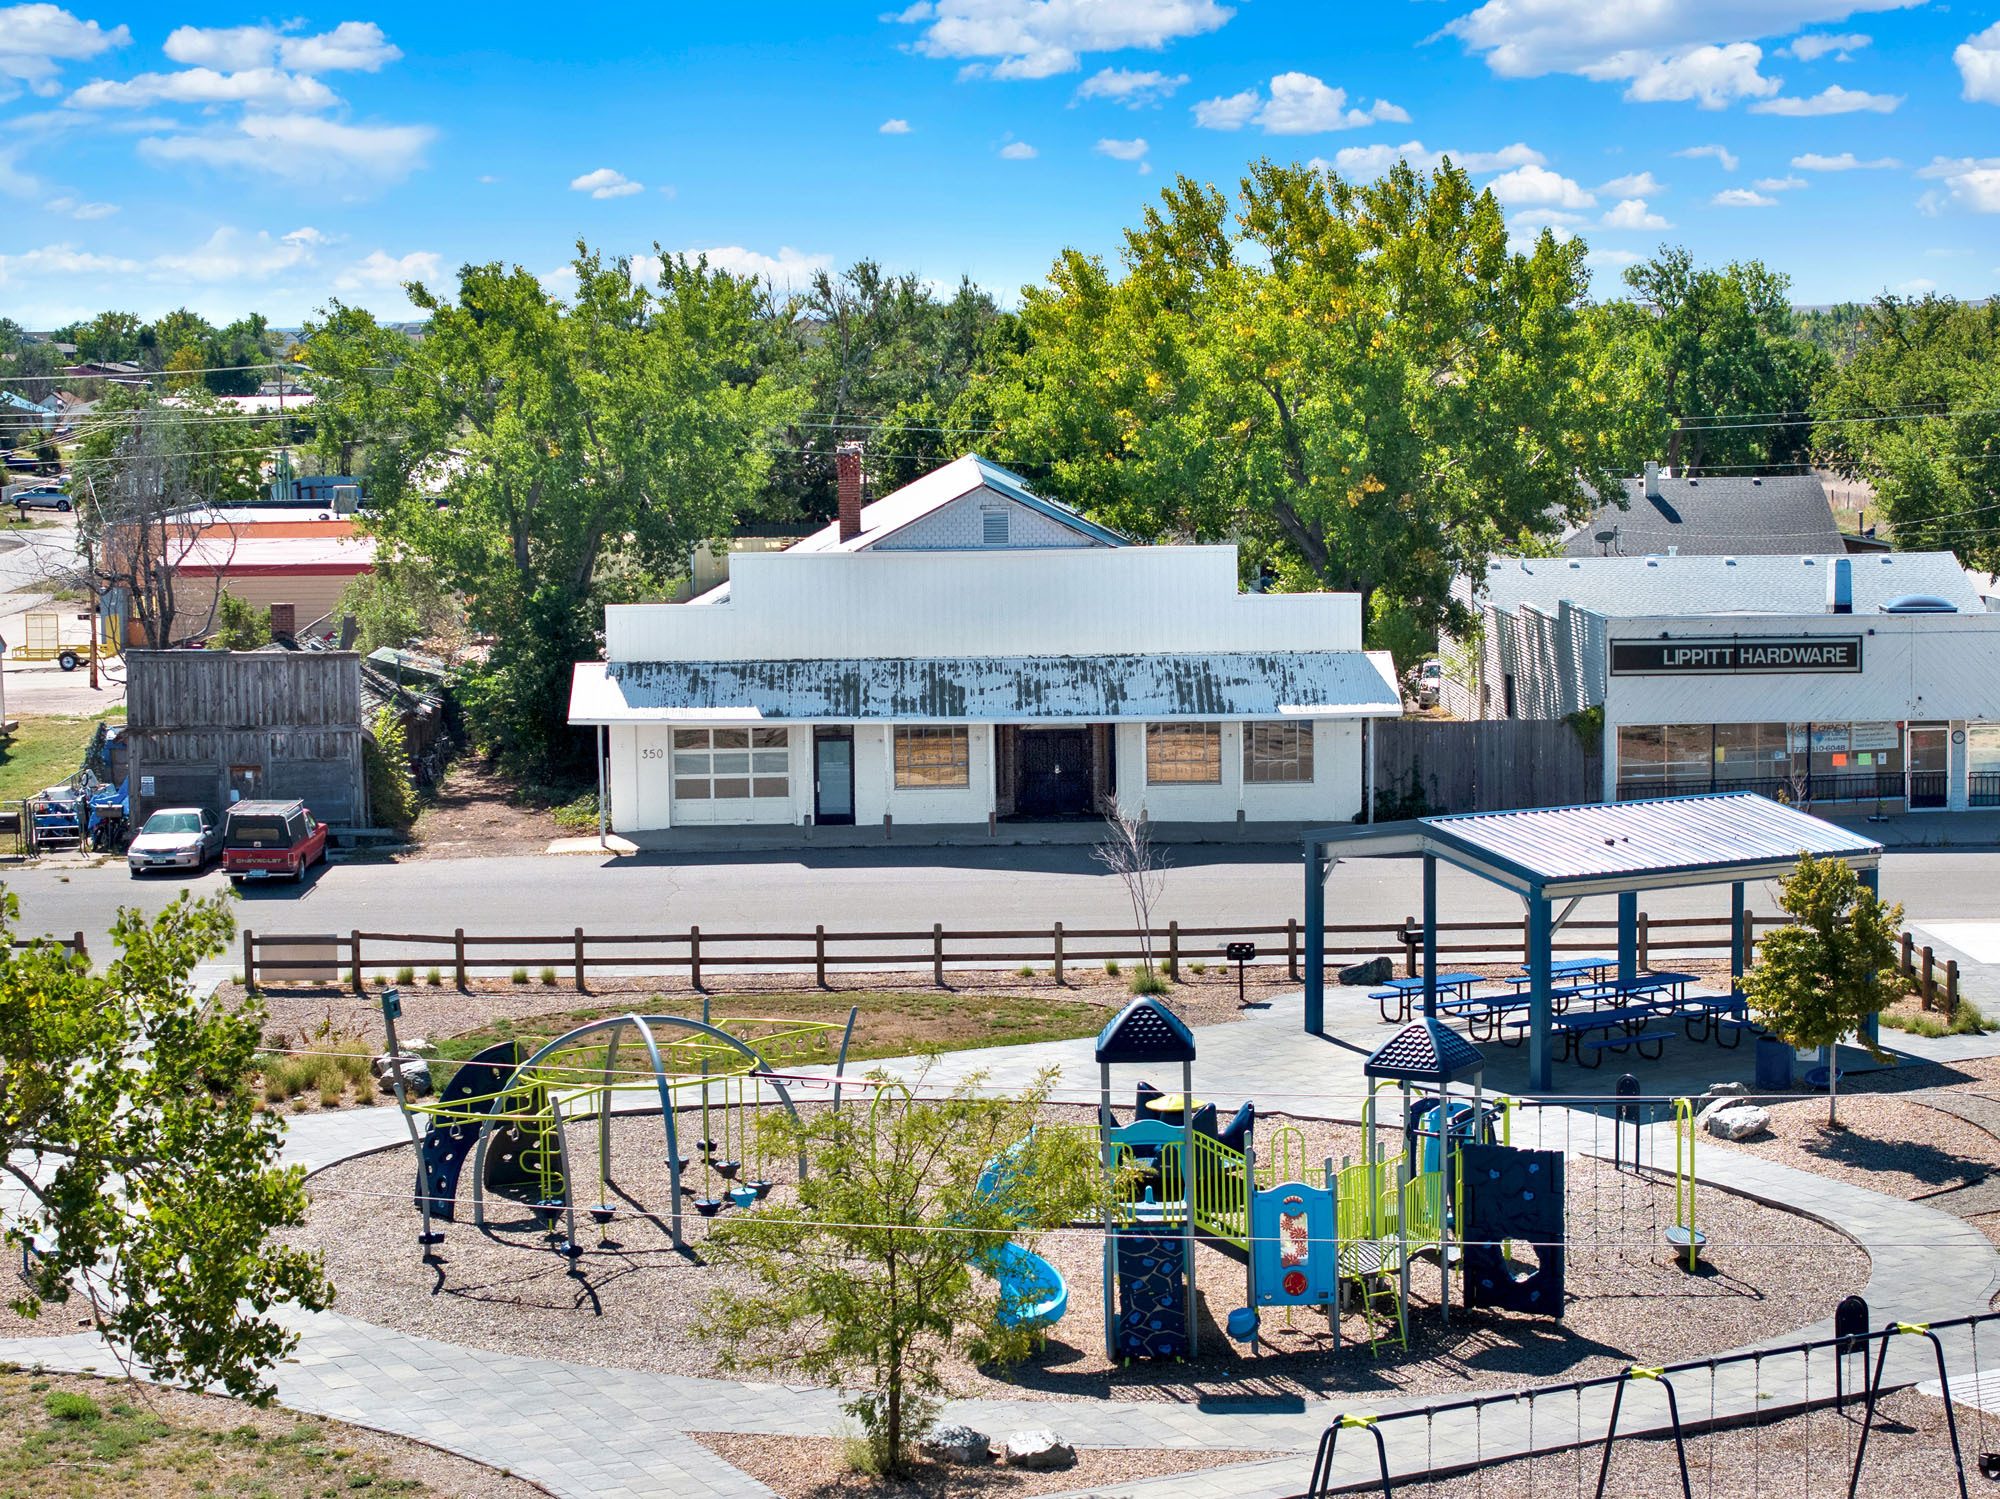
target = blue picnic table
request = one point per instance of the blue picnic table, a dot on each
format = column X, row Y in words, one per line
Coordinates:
column 1568, row 968
column 1403, row 990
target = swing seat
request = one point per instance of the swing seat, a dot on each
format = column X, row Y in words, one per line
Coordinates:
column 1243, row 1324
column 761, row 1188
column 708, row 1207
column 680, row 1164
column 728, row 1169
column 743, row 1196
column 1680, row 1239
column 706, row 1147
column 435, row 1236
column 548, row 1210
column 602, row 1214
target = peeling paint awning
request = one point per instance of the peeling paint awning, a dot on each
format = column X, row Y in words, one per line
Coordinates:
column 990, row 689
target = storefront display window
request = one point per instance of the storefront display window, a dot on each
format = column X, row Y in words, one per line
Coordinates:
column 1982, row 765
column 1847, row 761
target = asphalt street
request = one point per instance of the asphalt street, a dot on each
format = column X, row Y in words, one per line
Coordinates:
column 871, row 890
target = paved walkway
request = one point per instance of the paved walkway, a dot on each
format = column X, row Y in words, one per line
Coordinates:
column 597, row 1433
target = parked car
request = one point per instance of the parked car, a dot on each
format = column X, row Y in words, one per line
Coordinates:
column 264, row 840
column 41, row 499
column 176, row 838
column 1430, row 681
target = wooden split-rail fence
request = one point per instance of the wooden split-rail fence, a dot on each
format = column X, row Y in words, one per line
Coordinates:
column 279, row 959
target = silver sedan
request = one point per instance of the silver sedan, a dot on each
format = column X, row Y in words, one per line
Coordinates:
column 176, row 838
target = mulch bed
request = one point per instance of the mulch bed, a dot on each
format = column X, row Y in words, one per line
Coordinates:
column 816, row 1468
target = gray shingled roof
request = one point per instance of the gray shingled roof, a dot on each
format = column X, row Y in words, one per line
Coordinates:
column 1715, row 517
column 1641, row 586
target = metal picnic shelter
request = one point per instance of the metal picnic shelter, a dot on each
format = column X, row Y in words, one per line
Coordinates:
column 1562, row 854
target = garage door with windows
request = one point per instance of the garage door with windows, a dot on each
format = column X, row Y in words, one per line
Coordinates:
column 732, row 776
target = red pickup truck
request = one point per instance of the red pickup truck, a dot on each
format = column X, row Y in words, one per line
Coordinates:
column 266, row 840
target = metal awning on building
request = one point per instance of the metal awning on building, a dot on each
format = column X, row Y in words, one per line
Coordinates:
column 997, row 689
column 1548, row 854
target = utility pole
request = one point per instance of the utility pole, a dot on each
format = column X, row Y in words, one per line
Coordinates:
column 90, row 583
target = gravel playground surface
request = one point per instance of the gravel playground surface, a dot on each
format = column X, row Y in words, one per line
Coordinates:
column 1887, row 1143
column 639, row 1306
column 1799, row 1457
column 815, row 1468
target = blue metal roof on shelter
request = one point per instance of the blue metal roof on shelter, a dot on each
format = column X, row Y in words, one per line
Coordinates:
column 1602, row 848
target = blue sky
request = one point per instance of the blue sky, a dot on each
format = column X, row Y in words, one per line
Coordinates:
column 228, row 159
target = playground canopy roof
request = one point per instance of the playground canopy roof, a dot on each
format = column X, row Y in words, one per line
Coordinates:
column 1145, row 1031
column 1425, row 1051
column 1558, row 852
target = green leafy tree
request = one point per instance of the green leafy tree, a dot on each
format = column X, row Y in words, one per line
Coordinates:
column 883, row 359
column 1821, row 979
column 149, row 1178
column 402, row 600
column 392, row 795
column 873, row 1276
column 239, row 625
column 1732, row 378
column 626, row 424
column 349, row 361
column 1361, row 384
column 1914, row 414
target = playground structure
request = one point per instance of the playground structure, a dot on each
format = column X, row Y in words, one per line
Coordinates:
column 1311, row 1236
column 506, row 1109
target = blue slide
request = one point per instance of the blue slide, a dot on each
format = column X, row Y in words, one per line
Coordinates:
column 1034, row 1290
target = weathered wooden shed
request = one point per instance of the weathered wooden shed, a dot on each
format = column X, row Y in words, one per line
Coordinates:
column 269, row 724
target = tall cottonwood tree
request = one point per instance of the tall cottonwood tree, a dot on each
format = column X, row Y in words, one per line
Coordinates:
column 1363, row 384
column 571, row 452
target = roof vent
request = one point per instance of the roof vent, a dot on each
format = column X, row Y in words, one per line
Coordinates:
column 1576, row 564
column 1729, row 562
column 1756, row 481
column 1652, row 562
column 1652, row 480
column 1840, row 587
column 1919, row 603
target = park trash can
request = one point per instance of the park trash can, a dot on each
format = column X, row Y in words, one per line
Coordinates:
column 1774, row 1065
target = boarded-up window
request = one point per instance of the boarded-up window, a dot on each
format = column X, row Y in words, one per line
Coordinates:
column 1276, row 753
column 1184, row 753
column 933, row 757
column 731, row 764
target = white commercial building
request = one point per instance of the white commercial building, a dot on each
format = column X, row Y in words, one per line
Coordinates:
column 1871, row 681
column 965, row 651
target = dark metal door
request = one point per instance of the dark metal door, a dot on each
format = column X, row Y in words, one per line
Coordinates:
column 1930, row 768
column 1055, row 773
column 833, row 781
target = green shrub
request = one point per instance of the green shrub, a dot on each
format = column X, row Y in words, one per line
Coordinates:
column 579, row 815
column 1197, row 967
column 520, row 976
column 406, row 974
column 385, row 760
column 548, row 977
column 1026, row 970
column 239, row 625
column 1146, row 981
column 1111, row 967
column 66, row 1405
column 433, row 978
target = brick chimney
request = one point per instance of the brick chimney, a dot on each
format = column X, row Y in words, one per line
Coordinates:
column 284, row 621
column 847, row 468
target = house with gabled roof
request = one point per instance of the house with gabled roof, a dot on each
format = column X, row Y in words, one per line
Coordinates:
column 967, row 651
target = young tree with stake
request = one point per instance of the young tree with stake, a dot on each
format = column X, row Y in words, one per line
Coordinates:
column 1822, row 978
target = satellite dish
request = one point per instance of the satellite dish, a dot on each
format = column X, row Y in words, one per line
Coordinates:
column 1605, row 536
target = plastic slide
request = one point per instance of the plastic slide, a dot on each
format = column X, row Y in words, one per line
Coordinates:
column 1035, row 1290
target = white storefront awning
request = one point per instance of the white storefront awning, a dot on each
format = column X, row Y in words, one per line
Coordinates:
column 1233, row 685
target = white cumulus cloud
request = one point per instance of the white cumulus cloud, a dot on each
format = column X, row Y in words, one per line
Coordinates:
column 1709, row 76
column 1533, row 186
column 1846, row 161
column 35, row 40
column 1722, row 154
column 605, row 183
column 231, row 255
column 269, row 88
column 1132, row 150
column 1041, row 38
column 302, row 149
column 1978, row 59
column 1373, row 161
column 893, row 127
column 1018, row 151
column 1130, row 87
column 1300, row 104
column 381, row 271
column 352, row 46
column 1633, row 185
column 1816, row 44
column 1778, row 184
column 1741, row 197
column 71, row 208
column 1832, row 100
column 788, row 267
column 1632, row 213
column 1973, row 181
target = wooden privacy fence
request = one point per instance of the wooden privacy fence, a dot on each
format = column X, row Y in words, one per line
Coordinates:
column 1485, row 765
column 275, row 958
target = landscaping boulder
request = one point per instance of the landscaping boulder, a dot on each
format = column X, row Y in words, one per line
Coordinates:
column 1739, row 1122
column 1374, row 971
column 1721, row 1096
column 416, row 1074
column 1039, row 1451
column 960, row 1445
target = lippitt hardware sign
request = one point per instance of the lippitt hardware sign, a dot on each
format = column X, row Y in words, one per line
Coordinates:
column 1737, row 655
